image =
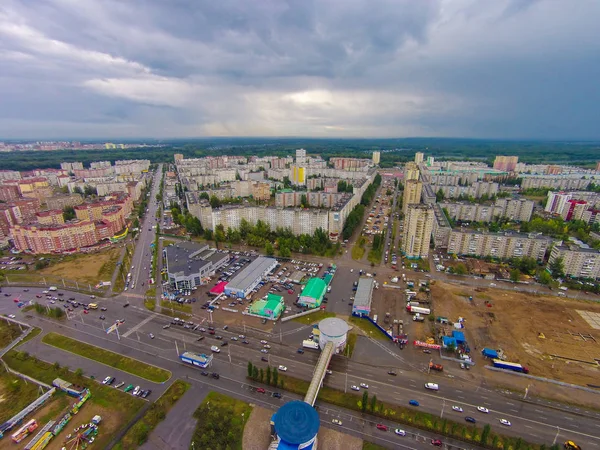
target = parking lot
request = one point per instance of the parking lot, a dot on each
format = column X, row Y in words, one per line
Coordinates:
column 285, row 279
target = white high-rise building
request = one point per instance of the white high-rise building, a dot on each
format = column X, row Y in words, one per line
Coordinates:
column 300, row 157
column 412, row 194
column 376, row 157
column 419, row 156
column 418, row 226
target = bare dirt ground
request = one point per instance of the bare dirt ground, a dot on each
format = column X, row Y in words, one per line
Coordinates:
column 544, row 333
column 90, row 268
column 334, row 440
column 257, row 432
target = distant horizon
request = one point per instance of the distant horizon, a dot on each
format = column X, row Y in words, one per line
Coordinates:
column 309, row 138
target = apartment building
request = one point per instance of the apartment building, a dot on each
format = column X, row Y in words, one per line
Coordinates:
column 419, row 157
column 499, row 245
column 9, row 175
column 418, row 227
column 428, row 194
column 412, row 194
column 297, row 175
column 350, row 163
column 556, row 201
column 411, row 171
column 376, row 157
column 574, row 182
column 578, row 262
column 9, row 192
column 476, row 190
column 512, row 209
column 441, row 228
column 506, row 163
column 50, row 217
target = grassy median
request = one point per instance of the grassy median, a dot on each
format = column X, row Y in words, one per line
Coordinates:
column 139, row 433
column 120, row 362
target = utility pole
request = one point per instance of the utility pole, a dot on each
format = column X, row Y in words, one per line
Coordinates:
column 443, row 405
column 556, row 437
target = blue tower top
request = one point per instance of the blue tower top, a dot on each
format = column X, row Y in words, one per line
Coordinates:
column 296, row 422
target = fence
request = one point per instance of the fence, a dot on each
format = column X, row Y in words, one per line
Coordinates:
column 379, row 327
column 303, row 313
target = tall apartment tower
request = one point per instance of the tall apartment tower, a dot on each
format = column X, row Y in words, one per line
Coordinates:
column 178, row 157
column 411, row 171
column 418, row 225
column 300, row 157
column 419, row 157
column 376, row 157
column 412, row 194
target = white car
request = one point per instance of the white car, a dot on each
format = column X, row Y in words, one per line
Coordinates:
column 337, row 422
column 457, row 409
column 12, row 316
column 263, row 342
column 233, row 338
column 106, row 380
column 400, row 432
column 351, row 270
column 215, row 349
column 355, row 388
column 264, row 350
column 282, row 368
column 364, row 385
column 136, row 391
column 267, row 346
column 482, row 409
column 505, row 422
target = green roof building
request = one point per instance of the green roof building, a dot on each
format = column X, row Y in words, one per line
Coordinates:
column 270, row 308
column 313, row 292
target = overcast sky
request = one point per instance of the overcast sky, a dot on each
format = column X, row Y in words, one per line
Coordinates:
column 322, row 68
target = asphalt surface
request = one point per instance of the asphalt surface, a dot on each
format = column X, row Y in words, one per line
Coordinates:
column 535, row 422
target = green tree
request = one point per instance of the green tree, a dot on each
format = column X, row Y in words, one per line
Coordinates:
column 557, row 267
column 250, row 369
column 374, row 403
column 275, row 376
column 515, row 275
column 214, row 201
column 204, row 196
column 268, row 375
column 261, row 375
column 79, row 373
column 255, row 372
column 68, row 213
column 77, row 190
column 460, row 269
column 89, row 190
column 485, row 434
column 365, row 401
column 269, row 250
column 439, row 195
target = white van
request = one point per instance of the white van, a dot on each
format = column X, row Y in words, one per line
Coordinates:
column 432, row 386
column 215, row 349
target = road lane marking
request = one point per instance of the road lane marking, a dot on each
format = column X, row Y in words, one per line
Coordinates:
column 511, row 404
column 139, row 325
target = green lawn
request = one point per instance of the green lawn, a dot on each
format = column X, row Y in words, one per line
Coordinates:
column 350, row 344
column 371, row 446
column 120, row 362
column 166, row 304
column 369, row 329
column 8, row 332
column 121, row 405
column 16, row 394
column 221, row 421
column 138, row 434
column 314, row 317
column 358, row 249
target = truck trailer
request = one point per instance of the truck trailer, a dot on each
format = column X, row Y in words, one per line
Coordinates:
column 509, row 366
column 417, row 310
column 307, row 343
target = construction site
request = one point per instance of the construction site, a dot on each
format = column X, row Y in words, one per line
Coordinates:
column 553, row 337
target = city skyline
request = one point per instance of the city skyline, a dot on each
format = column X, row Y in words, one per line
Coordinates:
column 503, row 70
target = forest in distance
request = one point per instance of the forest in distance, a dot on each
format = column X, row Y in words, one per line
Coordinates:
column 393, row 151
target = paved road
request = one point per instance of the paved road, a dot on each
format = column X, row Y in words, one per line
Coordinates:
column 532, row 421
column 142, row 257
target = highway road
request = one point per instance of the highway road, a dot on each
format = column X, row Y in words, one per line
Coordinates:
column 535, row 422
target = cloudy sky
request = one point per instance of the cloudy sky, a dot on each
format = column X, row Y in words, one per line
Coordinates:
column 322, row 68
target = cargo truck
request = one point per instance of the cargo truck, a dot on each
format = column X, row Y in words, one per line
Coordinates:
column 509, row 366
column 437, row 367
column 417, row 310
column 310, row 344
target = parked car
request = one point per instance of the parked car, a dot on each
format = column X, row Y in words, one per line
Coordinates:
column 128, row 388
column 282, row 368
column 337, row 422
column 413, row 403
column 261, row 390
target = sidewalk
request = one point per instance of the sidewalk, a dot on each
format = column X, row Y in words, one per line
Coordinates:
column 176, row 431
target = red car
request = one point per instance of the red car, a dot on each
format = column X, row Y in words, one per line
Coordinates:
column 381, row 427
column 85, row 311
column 16, row 300
column 436, row 442
column 323, row 307
column 290, row 291
column 261, row 390
column 211, row 332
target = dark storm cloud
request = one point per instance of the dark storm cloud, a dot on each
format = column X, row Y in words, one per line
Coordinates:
column 509, row 68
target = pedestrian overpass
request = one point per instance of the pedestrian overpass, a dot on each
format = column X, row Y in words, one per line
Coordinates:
column 319, row 373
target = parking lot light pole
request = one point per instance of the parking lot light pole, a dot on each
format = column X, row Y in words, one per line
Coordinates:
column 443, row 406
